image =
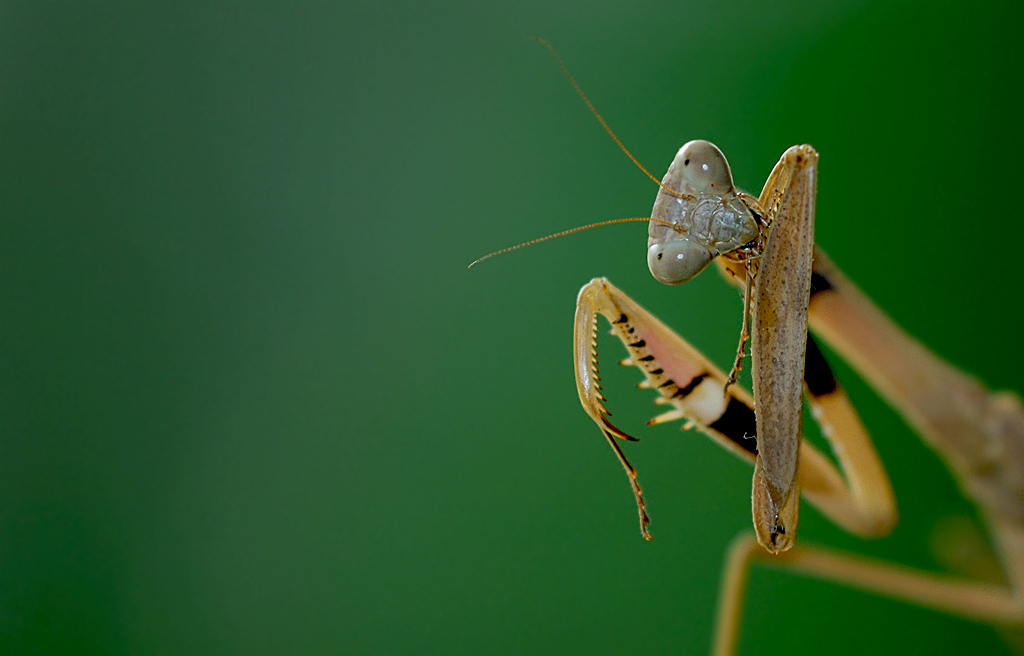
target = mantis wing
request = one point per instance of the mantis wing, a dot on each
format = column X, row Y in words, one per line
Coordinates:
column 779, row 341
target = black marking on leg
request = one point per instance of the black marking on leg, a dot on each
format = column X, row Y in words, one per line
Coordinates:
column 819, row 283
column 682, row 392
column 646, row 358
column 657, row 372
column 738, row 424
column 638, row 344
column 818, row 375
column 667, row 383
column 622, row 319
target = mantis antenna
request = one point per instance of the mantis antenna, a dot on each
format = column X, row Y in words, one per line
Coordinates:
column 567, row 232
column 607, row 129
column 611, row 133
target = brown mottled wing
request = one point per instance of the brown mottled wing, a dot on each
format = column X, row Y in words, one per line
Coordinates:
column 782, row 292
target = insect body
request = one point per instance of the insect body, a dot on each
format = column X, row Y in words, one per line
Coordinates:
column 765, row 245
column 699, row 215
column 979, row 433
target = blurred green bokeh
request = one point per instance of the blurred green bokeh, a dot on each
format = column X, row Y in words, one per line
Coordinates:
column 253, row 403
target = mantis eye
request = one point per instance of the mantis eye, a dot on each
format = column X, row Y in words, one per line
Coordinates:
column 677, row 261
column 705, row 167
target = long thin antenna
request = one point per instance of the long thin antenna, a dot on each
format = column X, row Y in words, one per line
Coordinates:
column 620, row 144
column 567, row 232
column 603, row 123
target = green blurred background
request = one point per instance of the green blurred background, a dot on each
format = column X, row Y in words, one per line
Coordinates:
column 254, row 403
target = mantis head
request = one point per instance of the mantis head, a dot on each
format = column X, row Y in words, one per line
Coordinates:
column 698, row 198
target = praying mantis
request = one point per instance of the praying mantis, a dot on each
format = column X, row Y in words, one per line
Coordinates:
column 765, row 246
